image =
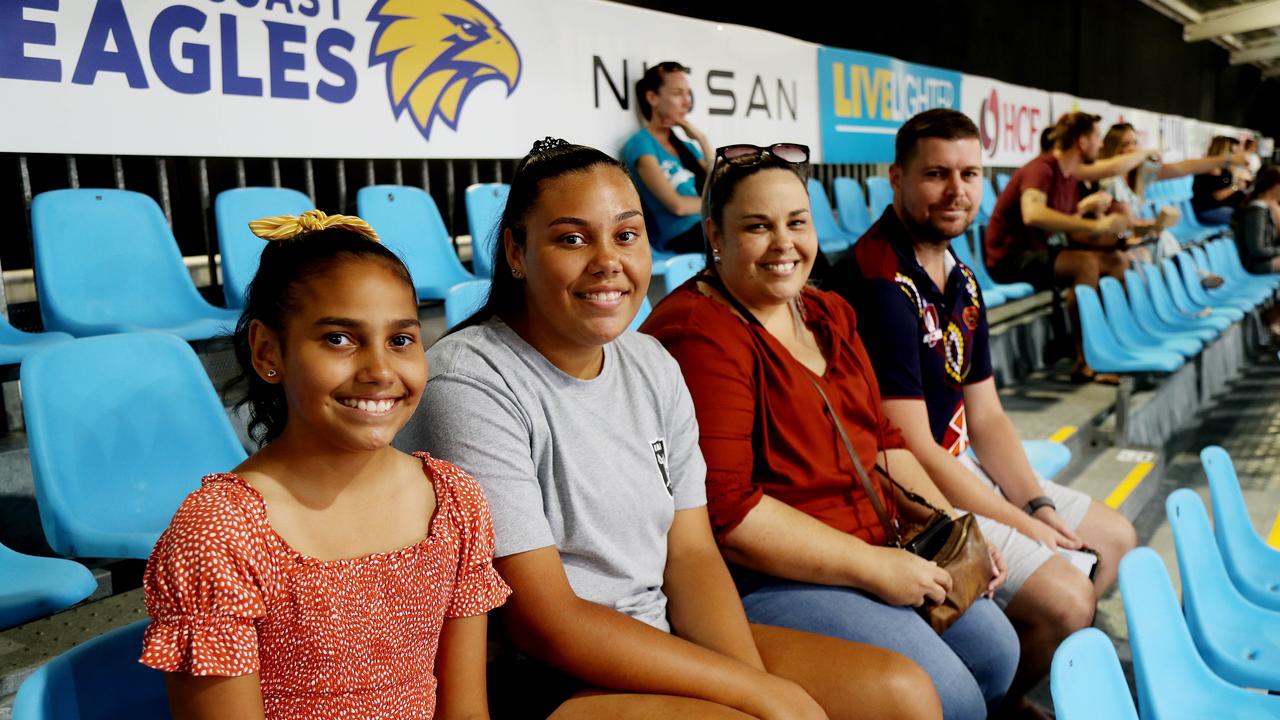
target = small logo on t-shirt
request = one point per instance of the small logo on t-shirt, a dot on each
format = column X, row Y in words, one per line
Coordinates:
column 932, row 333
column 660, row 456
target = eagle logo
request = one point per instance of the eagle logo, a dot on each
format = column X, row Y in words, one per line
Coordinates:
column 436, row 53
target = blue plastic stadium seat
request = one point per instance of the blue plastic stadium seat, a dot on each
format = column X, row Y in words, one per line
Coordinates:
column 464, row 299
column 1170, row 313
column 641, row 315
column 1178, row 292
column 1011, row 291
column 1103, row 351
column 1140, row 302
column 98, row 680
column 485, row 203
column 831, row 237
column 851, row 206
column 107, row 262
column 33, row 587
column 1002, row 181
column 992, row 293
column 1047, row 458
column 988, row 204
column 1192, row 282
column 240, row 248
column 1086, row 680
column 681, row 268
column 1124, row 325
column 120, row 429
column 409, row 223
column 1254, row 566
column 1238, row 639
column 1227, row 264
column 16, row 345
column 1255, row 294
column 879, row 195
column 1173, row 681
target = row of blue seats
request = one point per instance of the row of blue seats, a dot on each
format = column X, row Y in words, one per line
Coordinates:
column 1164, row 316
column 1200, row 660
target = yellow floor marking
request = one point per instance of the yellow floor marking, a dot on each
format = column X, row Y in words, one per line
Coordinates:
column 1274, row 538
column 1128, row 485
column 1063, row 433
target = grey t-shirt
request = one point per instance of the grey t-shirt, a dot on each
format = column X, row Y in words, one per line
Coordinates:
column 596, row 467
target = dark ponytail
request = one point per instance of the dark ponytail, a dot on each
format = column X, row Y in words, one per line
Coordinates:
column 272, row 297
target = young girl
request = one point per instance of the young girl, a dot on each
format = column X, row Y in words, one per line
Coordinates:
column 585, row 439
column 321, row 576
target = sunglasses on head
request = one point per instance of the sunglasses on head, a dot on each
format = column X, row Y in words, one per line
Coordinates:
column 744, row 154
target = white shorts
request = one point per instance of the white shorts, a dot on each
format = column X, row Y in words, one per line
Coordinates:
column 1022, row 555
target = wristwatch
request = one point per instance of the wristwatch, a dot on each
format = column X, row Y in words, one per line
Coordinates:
column 1036, row 503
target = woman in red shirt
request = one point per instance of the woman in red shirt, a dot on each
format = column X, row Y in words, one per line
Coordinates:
column 755, row 344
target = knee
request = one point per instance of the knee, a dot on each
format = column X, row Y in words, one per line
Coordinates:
column 1118, row 538
column 908, row 691
column 1073, row 605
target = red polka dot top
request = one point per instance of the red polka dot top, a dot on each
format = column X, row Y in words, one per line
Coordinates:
column 338, row 639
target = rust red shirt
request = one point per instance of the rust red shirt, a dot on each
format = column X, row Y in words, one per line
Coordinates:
column 1006, row 233
column 763, row 427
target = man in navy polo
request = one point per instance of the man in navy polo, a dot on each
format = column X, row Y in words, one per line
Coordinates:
column 924, row 324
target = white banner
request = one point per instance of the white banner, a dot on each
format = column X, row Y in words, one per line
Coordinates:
column 1010, row 119
column 1174, row 137
column 1064, row 103
column 377, row 78
column 1146, row 124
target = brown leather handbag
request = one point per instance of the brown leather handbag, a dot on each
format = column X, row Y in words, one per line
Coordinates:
column 956, row 545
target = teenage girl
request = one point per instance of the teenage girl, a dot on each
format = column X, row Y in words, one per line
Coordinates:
column 329, row 575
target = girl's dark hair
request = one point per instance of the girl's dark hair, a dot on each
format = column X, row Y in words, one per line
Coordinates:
column 1223, row 144
column 548, row 159
column 724, row 180
column 272, row 297
column 1111, row 141
column 652, row 81
column 1268, row 178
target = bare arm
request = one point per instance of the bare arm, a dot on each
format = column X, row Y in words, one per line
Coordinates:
column 1037, row 213
column 1112, row 166
column 1198, row 166
column 609, row 649
column 696, row 135
column 653, row 178
column 779, row 540
column 460, row 668
column 206, row 697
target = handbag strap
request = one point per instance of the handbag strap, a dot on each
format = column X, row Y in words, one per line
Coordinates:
column 890, row 529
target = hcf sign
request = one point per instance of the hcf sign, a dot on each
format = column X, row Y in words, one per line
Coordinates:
column 1009, row 126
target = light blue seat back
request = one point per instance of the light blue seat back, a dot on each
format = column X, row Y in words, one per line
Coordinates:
column 1255, row 293
column 1011, row 291
column 879, row 195
column 485, row 203
column 409, row 223
column 1254, row 566
column 98, row 680
column 1161, row 301
column 1173, row 279
column 239, row 247
column 1047, row 457
column 106, row 261
column 1173, row 681
column 1238, row 639
column 120, row 429
column 1230, row 306
column 1125, row 326
column 992, row 294
column 681, row 268
column 32, row 587
column 831, row 237
column 1086, row 680
column 641, row 315
column 851, row 206
column 464, row 299
column 988, row 205
column 1002, row 181
column 1103, row 350
column 15, row 345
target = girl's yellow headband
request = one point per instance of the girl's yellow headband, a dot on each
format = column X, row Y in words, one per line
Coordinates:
column 288, row 227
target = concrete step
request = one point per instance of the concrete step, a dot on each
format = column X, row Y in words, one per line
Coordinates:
column 1122, row 478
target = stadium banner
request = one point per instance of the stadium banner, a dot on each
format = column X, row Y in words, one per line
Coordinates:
column 1009, row 119
column 866, row 97
column 378, row 78
column 1174, row 138
column 1145, row 124
column 1063, row 103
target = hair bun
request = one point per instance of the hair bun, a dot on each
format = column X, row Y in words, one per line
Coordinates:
column 546, row 144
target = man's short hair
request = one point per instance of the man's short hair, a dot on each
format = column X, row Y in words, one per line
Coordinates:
column 937, row 123
column 1073, row 126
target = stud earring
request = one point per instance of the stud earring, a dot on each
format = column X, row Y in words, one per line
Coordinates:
column 271, row 373
column 716, row 257
column 517, row 274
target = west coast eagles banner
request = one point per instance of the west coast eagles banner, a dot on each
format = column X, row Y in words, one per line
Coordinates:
column 377, row 78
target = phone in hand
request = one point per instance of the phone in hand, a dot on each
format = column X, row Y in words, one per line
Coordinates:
column 1085, row 560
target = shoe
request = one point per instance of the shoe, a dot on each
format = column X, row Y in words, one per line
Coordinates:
column 1211, row 281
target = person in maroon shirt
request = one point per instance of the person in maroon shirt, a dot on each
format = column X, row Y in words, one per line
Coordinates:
column 756, row 346
column 1042, row 199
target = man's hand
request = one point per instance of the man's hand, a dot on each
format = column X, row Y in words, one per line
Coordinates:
column 998, row 565
column 1050, row 517
column 1095, row 203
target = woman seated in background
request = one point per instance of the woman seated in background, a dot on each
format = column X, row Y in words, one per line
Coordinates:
column 669, row 172
column 585, row 441
column 1216, row 193
column 759, row 351
column 1255, row 225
